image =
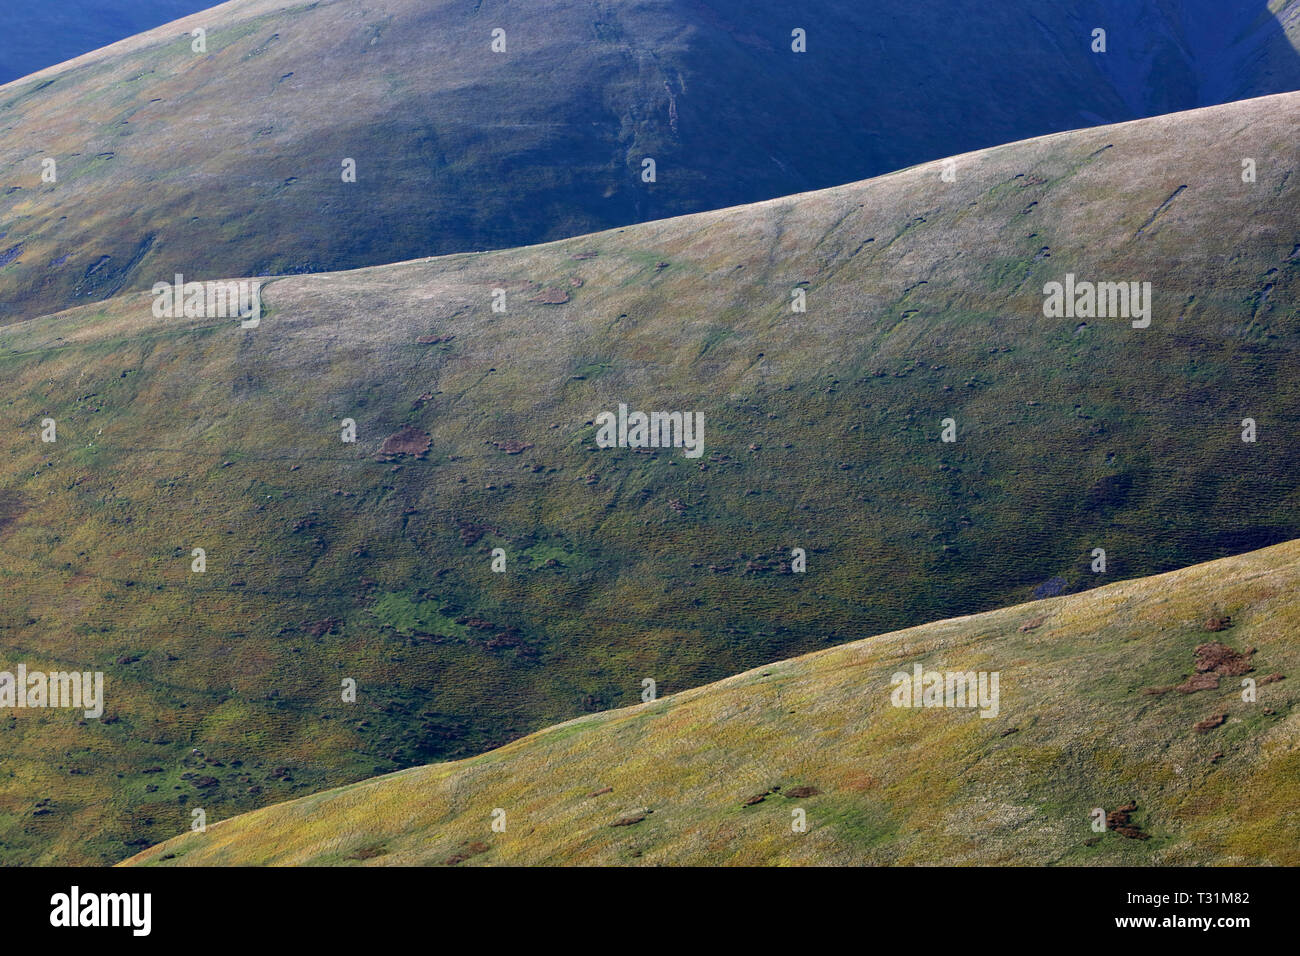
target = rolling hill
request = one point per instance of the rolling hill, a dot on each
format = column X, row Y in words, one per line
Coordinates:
column 476, row 430
column 229, row 160
column 1095, row 712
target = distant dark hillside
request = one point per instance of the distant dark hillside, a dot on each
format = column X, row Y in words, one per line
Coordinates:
column 230, row 161
column 34, row 36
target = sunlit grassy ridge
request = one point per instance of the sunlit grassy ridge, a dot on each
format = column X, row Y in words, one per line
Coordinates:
column 229, row 160
column 326, row 562
column 1075, row 732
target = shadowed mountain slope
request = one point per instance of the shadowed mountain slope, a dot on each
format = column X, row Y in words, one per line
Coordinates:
column 39, row 35
column 230, row 161
column 328, row 561
column 1090, row 716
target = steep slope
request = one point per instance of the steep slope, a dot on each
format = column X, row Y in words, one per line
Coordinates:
column 1242, row 50
column 1087, row 718
column 476, row 430
column 229, row 161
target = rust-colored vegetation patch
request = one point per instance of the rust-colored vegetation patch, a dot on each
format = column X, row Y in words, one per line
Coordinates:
column 465, row 852
column 630, row 819
column 1030, row 625
column 760, row 797
column 1217, row 622
column 1120, row 821
column 329, row 625
column 1209, row 723
column 470, row 531
column 11, row 508
column 512, row 447
column 550, row 295
column 407, row 441
column 800, row 792
column 794, row 793
column 1213, row 660
column 1198, row 682
column 1221, row 659
column 368, row 852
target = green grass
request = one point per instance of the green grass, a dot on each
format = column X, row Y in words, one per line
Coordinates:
column 896, row 785
column 407, row 616
column 326, row 562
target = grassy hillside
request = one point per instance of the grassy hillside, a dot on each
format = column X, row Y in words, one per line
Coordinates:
column 1083, row 724
column 328, row 560
column 229, row 161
